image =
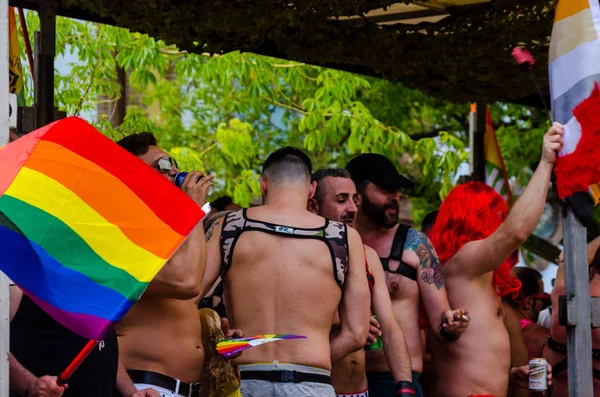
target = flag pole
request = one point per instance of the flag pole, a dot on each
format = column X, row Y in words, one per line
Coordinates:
column 63, row 378
column 26, row 40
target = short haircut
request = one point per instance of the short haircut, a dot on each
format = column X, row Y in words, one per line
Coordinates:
column 222, row 202
column 288, row 163
column 429, row 221
column 323, row 173
column 530, row 279
column 138, row 144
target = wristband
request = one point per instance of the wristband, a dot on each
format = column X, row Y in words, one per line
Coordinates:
column 405, row 389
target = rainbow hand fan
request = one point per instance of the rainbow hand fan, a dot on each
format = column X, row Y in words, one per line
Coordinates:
column 232, row 346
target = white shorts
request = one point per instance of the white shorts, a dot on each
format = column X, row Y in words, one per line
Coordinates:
column 163, row 392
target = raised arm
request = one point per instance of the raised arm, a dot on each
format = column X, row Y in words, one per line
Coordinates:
column 354, row 306
column 482, row 256
column 592, row 248
column 394, row 344
column 181, row 276
column 213, row 257
column 446, row 324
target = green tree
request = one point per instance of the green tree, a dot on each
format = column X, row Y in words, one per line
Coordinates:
column 225, row 114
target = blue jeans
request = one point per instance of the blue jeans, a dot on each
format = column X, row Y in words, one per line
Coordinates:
column 382, row 384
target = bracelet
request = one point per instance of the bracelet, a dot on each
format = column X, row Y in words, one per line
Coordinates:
column 405, row 389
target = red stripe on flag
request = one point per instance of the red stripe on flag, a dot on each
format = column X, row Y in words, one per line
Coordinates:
column 164, row 198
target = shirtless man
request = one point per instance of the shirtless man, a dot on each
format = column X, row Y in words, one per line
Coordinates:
column 475, row 238
column 287, row 271
column 160, row 338
column 419, row 276
column 527, row 306
column 556, row 347
column 335, row 198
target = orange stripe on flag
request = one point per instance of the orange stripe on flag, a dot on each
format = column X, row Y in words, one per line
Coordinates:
column 565, row 9
column 85, row 179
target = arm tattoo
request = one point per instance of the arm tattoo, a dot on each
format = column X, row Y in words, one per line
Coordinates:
column 431, row 267
column 210, row 231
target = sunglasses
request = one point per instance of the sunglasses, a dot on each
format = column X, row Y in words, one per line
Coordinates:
column 164, row 165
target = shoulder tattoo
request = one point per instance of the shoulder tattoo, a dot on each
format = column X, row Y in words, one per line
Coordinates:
column 431, row 267
column 211, row 230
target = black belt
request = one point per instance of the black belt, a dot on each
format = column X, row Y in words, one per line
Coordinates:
column 285, row 376
column 164, row 381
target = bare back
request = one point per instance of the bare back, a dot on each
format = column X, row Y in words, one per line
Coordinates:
column 162, row 335
column 283, row 285
column 479, row 362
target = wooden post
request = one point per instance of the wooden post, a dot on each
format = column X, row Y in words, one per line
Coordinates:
column 45, row 48
column 477, row 126
column 4, row 134
column 579, row 313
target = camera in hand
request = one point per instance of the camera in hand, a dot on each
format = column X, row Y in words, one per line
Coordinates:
column 180, row 177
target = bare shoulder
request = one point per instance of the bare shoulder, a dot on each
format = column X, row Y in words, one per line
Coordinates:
column 353, row 237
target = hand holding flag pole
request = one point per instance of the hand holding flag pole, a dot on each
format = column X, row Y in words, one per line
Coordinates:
column 64, row 376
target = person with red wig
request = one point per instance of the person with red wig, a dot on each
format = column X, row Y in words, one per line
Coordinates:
column 474, row 236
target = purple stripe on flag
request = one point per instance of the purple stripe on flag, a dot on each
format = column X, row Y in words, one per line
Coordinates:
column 86, row 325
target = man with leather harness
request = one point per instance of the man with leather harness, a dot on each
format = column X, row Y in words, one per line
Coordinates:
column 287, row 271
column 412, row 269
column 556, row 349
column 334, row 199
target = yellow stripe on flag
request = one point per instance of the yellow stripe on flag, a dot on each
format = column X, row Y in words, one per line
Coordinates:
column 571, row 32
column 565, row 9
column 106, row 239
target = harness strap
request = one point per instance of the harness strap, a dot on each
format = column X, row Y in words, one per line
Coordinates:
column 396, row 254
column 563, row 364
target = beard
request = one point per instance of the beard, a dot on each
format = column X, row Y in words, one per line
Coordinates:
column 378, row 213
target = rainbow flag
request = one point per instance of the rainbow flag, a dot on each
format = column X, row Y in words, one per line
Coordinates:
column 15, row 69
column 231, row 346
column 84, row 225
column 495, row 171
column 574, row 67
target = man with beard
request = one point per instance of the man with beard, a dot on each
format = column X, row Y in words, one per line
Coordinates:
column 412, row 269
column 527, row 305
column 475, row 239
column 335, row 198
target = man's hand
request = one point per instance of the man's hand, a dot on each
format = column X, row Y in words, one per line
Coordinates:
column 456, row 322
column 374, row 331
column 553, row 143
column 45, row 386
column 231, row 333
column 145, row 393
column 519, row 376
column 196, row 185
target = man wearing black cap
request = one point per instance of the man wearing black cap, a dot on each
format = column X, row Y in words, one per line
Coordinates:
column 412, row 268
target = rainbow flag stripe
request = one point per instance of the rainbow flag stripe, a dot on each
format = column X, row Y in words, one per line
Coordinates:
column 84, row 225
column 231, row 346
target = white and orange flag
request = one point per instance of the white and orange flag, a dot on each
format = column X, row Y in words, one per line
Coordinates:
column 574, row 66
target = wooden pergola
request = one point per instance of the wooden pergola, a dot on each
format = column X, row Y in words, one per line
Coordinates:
column 456, row 49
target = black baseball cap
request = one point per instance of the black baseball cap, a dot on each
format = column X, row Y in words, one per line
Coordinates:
column 379, row 170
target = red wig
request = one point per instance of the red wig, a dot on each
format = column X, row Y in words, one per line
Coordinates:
column 472, row 211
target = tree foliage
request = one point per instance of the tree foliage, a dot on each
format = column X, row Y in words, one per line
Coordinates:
column 225, row 114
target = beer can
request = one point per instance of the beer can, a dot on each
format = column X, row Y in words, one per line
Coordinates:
column 179, row 178
column 378, row 344
column 538, row 374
